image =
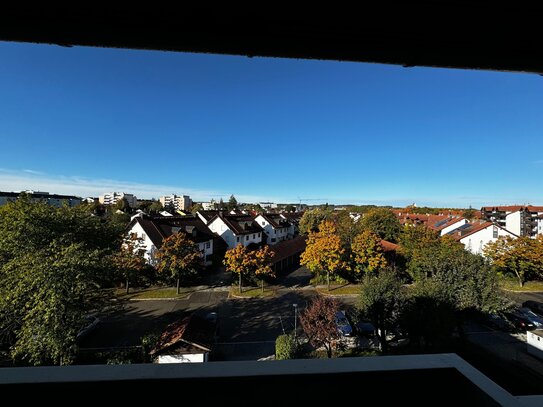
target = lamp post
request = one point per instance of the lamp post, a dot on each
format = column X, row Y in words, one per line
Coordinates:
column 295, row 318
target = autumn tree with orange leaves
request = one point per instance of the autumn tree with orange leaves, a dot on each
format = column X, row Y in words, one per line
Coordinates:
column 324, row 252
column 367, row 252
column 246, row 262
column 178, row 256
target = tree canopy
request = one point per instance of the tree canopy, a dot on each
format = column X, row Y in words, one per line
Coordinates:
column 319, row 323
column 367, row 253
column 382, row 222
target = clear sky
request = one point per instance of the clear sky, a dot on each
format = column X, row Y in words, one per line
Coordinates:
column 87, row 120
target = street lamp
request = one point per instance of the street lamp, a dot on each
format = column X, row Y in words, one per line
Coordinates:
column 295, row 309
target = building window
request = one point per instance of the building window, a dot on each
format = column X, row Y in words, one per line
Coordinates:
column 495, row 232
column 254, row 235
column 263, row 223
column 481, row 246
column 237, row 239
column 246, row 238
column 259, row 235
column 208, row 245
column 143, row 236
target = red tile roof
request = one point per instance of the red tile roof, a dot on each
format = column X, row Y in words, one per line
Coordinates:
column 288, row 248
column 192, row 332
column 389, row 246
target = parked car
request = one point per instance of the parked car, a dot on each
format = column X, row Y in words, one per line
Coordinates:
column 91, row 322
column 520, row 321
column 343, row 325
column 535, row 306
column 532, row 317
column 365, row 328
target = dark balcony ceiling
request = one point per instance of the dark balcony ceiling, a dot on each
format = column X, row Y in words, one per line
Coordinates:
column 458, row 34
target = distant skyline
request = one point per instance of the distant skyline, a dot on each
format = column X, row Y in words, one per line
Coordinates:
column 85, row 121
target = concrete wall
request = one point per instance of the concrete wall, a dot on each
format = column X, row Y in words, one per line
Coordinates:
column 534, row 342
column 512, row 222
column 185, row 358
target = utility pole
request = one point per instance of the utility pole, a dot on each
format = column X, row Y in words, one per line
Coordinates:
column 295, row 318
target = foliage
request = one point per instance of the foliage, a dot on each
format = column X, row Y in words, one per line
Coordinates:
column 44, row 296
column 248, row 263
column 382, row 222
column 319, row 323
column 324, row 252
column 238, row 261
column 129, row 260
column 148, row 342
column 367, row 253
column 430, row 314
column 290, row 208
column 380, row 301
column 122, row 205
column 155, row 208
column 469, row 213
column 347, row 228
column 179, row 257
column 52, row 261
column 285, row 347
column 311, row 219
column 521, row 256
column 196, row 207
column 232, row 203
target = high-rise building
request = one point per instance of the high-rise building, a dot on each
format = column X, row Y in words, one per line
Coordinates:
column 111, row 198
column 176, row 202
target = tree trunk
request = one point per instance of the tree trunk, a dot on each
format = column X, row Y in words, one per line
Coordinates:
column 328, row 278
column 127, row 285
column 240, row 282
column 521, row 281
column 262, row 285
column 329, row 351
column 177, row 284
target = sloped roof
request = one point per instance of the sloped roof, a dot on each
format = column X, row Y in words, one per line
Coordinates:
column 159, row 228
column 388, row 246
column 287, row 248
column 188, row 334
column 276, row 220
column 239, row 224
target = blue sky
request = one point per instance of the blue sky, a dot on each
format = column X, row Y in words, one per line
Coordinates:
column 87, row 120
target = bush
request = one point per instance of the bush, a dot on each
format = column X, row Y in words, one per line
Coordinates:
column 285, row 347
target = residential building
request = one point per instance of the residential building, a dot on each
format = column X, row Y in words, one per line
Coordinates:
column 153, row 230
column 475, row 236
column 276, row 227
column 294, row 220
column 189, row 340
column 521, row 220
column 39, row 196
column 176, row 202
column 111, row 198
column 447, row 225
column 287, row 254
column 268, row 205
column 236, row 229
column 206, row 206
column 207, row 215
column 534, row 343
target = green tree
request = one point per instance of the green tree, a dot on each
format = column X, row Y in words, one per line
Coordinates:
column 232, row 203
column 521, row 256
column 469, row 213
column 324, row 252
column 347, row 228
column 221, row 205
column 290, row 208
column 367, row 253
column 179, row 256
column 382, row 222
column 381, row 299
column 129, row 260
column 311, row 219
column 285, row 347
column 155, row 208
column 122, row 205
column 196, row 207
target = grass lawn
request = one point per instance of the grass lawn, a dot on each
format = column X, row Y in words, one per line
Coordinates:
column 251, row 292
column 511, row 284
column 154, row 293
column 345, row 289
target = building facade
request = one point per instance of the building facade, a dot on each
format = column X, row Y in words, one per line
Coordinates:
column 475, row 236
column 39, row 196
column 236, row 229
column 276, row 227
column 176, row 202
column 111, row 198
column 521, row 220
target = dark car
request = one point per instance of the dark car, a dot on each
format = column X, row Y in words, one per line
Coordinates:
column 520, row 322
column 343, row 325
column 535, row 306
column 364, row 328
column 532, row 317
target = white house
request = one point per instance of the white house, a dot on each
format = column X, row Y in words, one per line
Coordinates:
column 446, row 225
column 534, row 341
column 207, row 215
column 277, row 228
column 236, row 229
column 111, row 198
column 188, row 340
column 294, row 220
column 152, row 231
column 475, row 236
